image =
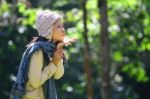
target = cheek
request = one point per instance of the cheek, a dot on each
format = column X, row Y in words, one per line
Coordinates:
column 57, row 30
column 56, row 36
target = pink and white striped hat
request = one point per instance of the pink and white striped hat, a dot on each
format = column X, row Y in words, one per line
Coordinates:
column 44, row 22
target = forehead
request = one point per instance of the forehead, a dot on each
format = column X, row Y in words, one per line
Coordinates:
column 58, row 21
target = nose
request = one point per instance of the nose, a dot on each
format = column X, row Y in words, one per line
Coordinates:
column 63, row 30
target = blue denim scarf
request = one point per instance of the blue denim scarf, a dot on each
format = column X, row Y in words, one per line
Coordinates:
column 18, row 89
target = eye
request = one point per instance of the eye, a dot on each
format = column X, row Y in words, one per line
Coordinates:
column 60, row 26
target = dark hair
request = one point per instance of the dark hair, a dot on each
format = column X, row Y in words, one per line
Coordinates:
column 34, row 39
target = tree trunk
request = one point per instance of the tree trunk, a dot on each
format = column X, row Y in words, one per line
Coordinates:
column 105, row 52
column 87, row 54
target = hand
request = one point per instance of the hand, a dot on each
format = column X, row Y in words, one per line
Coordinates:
column 67, row 41
column 58, row 54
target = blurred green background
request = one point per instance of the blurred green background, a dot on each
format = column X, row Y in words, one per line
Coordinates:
column 129, row 34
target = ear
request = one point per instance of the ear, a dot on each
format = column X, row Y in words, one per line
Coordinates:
column 48, row 36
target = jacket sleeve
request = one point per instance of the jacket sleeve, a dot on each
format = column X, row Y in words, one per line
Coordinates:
column 36, row 75
column 60, row 70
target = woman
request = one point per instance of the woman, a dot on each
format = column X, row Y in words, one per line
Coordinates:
column 43, row 60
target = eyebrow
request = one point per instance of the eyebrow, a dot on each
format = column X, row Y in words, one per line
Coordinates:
column 61, row 23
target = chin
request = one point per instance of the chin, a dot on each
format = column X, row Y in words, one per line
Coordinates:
column 60, row 40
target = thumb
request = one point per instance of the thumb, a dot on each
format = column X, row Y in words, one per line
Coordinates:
column 60, row 45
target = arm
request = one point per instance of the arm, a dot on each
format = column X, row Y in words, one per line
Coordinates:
column 36, row 75
column 60, row 70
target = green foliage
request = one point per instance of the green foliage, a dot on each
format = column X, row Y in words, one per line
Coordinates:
column 136, row 71
column 129, row 32
column 28, row 14
column 118, row 56
column 4, row 7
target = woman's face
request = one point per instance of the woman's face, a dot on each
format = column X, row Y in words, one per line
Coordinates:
column 58, row 31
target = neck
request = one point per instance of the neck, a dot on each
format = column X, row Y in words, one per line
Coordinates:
column 55, row 41
column 46, row 37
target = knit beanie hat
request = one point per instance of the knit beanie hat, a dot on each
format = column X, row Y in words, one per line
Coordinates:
column 44, row 22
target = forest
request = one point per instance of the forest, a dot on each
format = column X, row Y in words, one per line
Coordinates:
column 109, row 60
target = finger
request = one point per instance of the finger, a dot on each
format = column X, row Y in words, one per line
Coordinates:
column 60, row 45
column 60, row 50
column 69, row 42
column 72, row 40
column 58, row 53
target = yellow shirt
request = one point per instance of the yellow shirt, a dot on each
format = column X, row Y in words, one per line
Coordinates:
column 37, row 76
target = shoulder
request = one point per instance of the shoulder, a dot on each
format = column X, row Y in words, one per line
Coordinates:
column 37, row 54
column 40, row 55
